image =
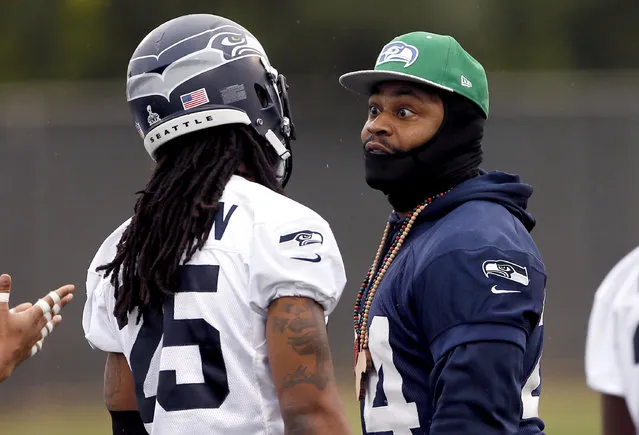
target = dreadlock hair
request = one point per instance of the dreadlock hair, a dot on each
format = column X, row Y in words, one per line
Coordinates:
column 175, row 212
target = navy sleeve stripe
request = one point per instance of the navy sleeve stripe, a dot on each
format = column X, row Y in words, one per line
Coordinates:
column 474, row 332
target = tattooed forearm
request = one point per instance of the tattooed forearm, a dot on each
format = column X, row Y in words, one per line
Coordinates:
column 302, row 324
column 295, row 318
column 300, row 376
column 303, row 376
column 302, row 369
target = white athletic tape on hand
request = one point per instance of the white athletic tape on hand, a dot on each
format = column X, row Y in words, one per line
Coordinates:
column 48, row 316
column 36, row 347
column 54, row 295
column 46, row 330
column 56, row 309
column 4, row 297
column 44, row 306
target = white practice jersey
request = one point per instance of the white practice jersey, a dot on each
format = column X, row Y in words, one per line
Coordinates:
column 201, row 366
column 612, row 344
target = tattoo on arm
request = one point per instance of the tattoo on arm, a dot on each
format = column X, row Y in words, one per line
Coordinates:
column 302, row 323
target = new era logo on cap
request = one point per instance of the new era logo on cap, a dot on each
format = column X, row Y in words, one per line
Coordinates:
column 194, row 99
column 465, row 82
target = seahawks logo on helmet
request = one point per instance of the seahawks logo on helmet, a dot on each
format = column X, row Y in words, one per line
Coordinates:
column 236, row 44
column 398, row 51
column 159, row 74
column 506, row 269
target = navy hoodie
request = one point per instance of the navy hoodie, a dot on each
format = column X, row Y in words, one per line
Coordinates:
column 456, row 325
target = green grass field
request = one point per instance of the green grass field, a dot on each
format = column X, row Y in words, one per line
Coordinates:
column 567, row 407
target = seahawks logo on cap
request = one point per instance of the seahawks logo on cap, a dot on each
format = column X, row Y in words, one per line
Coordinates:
column 398, row 51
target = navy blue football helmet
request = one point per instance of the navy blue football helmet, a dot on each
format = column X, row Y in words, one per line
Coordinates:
column 201, row 71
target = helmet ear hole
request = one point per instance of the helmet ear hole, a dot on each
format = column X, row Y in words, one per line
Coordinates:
column 263, row 96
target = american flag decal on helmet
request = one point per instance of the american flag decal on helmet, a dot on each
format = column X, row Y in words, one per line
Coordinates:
column 194, row 99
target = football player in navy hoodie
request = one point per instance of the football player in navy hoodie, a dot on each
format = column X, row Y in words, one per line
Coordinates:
column 449, row 319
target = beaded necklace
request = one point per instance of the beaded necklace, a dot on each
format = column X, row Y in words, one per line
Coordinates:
column 362, row 354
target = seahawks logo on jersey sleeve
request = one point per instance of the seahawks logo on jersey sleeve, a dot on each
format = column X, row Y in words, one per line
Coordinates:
column 301, row 239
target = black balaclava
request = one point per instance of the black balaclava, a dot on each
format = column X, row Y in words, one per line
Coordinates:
column 450, row 157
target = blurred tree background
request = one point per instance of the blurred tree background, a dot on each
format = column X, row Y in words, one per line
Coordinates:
column 92, row 39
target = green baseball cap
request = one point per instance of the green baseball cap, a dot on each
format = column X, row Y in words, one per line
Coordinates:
column 426, row 58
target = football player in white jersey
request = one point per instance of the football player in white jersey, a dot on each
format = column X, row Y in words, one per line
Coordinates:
column 612, row 347
column 211, row 300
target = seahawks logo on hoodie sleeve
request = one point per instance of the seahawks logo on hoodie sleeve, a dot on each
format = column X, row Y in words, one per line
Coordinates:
column 506, row 269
